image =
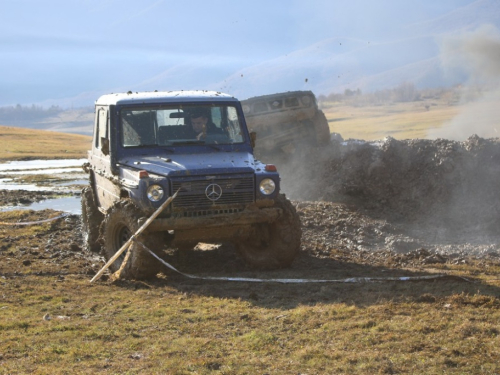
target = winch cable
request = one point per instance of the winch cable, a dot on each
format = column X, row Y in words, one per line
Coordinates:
column 299, row 281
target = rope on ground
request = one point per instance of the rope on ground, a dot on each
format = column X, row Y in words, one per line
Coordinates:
column 298, row 281
column 35, row 222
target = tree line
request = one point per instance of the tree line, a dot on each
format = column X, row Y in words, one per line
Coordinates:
column 405, row 92
column 19, row 113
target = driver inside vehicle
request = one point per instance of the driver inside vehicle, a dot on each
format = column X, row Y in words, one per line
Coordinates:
column 200, row 125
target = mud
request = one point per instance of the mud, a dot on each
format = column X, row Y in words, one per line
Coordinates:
column 9, row 198
column 338, row 243
column 367, row 210
column 441, row 183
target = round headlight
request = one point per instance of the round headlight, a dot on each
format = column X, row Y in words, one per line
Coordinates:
column 267, row 186
column 155, row 193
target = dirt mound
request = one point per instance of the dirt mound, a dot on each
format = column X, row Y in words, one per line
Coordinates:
column 438, row 181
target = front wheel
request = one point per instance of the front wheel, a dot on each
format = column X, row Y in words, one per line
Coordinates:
column 120, row 223
column 274, row 245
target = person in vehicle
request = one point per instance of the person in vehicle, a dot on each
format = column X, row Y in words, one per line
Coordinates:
column 200, row 125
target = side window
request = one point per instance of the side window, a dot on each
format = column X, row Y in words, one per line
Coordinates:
column 291, row 102
column 101, row 126
column 260, row 107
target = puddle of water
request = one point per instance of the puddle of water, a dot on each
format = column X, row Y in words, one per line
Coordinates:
column 74, row 182
column 27, row 187
column 63, row 168
column 69, row 169
column 43, row 171
column 66, row 204
column 8, row 184
column 41, row 164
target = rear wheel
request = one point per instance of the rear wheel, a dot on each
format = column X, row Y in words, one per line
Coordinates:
column 91, row 220
column 274, row 245
column 120, row 223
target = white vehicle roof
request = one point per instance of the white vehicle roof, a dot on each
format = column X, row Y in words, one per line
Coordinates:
column 163, row 96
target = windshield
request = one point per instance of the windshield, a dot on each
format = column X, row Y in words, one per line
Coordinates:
column 180, row 125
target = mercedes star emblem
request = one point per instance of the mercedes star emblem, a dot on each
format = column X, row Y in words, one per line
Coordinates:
column 213, row 192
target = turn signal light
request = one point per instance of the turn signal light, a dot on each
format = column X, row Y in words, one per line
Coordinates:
column 143, row 174
column 271, row 168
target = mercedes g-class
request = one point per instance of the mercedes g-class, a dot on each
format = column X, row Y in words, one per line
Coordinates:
column 148, row 146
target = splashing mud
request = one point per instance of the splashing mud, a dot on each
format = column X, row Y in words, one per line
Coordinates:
column 439, row 182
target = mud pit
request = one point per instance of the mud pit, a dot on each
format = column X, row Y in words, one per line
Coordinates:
column 432, row 194
column 367, row 210
column 9, row 198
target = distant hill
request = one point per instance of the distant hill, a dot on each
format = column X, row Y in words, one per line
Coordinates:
column 336, row 64
column 77, row 121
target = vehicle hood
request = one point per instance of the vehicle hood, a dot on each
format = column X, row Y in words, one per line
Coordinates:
column 195, row 164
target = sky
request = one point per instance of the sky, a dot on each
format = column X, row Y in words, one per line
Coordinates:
column 72, row 50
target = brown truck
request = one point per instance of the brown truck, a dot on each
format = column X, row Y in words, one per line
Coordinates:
column 286, row 121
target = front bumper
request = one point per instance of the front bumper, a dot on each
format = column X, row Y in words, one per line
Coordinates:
column 246, row 217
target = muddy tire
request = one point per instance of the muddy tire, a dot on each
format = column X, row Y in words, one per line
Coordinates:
column 120, row 223
column 275, row 245
column 91, row 220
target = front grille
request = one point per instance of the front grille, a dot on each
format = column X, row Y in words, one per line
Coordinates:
column 202, row 213
column 234, row 191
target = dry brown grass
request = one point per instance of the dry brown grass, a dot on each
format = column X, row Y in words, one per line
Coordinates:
column 399, row 120
column 176, row 326
column 157, row 328
column 26, row 144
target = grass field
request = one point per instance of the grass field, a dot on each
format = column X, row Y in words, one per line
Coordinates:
column 53, row 321
column 26, row 144
column 173, row 328
column 400, row 120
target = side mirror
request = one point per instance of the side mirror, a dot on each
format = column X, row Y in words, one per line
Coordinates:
column 105, row 145
column 253, row 139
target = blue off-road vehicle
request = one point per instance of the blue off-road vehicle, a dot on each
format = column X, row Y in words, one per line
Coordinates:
column 149, row 145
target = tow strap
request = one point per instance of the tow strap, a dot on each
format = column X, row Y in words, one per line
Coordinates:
column 300, row 281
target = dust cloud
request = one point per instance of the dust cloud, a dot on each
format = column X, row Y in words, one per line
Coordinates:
column 474, row 56
column 440, row 183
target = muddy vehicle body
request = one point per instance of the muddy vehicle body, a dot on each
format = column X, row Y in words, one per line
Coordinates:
column 144, row 150
column 286, row 121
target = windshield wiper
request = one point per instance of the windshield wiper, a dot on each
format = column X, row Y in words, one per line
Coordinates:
column 189, row 142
